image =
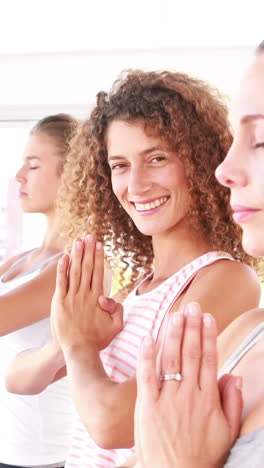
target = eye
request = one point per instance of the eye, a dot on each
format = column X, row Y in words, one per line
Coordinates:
column 259, row 145
column 117, row 166
column 34, row 167
column 158, row 159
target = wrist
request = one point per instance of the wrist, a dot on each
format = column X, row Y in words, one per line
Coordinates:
column 54, row 354
column 82, row 352
column 84, row 360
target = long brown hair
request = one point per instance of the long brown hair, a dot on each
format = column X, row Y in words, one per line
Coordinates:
column 192, row 119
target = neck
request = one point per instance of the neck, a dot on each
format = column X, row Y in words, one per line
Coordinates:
column 173, row 250
column 52, row 238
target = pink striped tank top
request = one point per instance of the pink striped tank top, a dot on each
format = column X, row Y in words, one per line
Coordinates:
column 143, row 314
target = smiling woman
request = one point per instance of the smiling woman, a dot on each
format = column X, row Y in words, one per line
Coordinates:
column 148, row 179
column 140, row 179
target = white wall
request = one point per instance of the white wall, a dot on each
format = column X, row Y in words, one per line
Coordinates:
column 55, row 55
column 33, row 85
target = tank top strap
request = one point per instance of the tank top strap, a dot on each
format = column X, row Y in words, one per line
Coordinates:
column 176, row 284
column 48, row 260
column 36, row 268
column 251, row 340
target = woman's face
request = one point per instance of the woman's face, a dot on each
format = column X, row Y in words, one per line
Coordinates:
column 243, row 168
column 39, row 177
column 147, row 178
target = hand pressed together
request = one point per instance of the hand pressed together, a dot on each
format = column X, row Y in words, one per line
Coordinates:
column 80, row 314
column 192, row 422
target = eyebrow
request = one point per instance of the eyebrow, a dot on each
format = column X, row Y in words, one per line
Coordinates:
column 29, row 158
column 250, row 117
column 142, row 153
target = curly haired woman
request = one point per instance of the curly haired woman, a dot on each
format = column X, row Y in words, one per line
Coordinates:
column 200, row 405
column 140, row 179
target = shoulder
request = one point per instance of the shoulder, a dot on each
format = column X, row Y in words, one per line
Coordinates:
column 225, row 270
column 11, row 261
column 232, row 277
column 225, row 289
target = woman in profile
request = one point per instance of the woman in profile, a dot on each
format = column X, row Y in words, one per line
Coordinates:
column 35, row 430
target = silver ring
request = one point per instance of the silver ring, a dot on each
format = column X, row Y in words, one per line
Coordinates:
column 177, row 376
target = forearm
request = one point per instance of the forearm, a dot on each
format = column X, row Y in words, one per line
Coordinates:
column 132, row 463
column 105, row 407
column 34, row 369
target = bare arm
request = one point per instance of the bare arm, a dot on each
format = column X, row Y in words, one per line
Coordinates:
column 29, row 302
column 106, row 407
column 34, row 369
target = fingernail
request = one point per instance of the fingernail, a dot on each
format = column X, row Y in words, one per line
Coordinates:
column 177, row 318
column 61, row 261
column 147, row 341
column 239, row 383
column 89, row 238
column 78, row 244
column 98, row 245
column 193, row 309
column 207, row 320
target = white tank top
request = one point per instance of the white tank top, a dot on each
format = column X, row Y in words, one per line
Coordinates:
column 34, row 429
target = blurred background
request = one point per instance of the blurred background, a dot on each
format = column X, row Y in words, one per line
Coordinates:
column 56, row 55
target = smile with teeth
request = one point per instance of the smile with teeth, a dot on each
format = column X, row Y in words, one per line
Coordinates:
column 151, row 205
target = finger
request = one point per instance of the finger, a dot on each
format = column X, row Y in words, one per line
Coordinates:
column 98, row 270
column 75, row 266
column 232, row 402
column 147, row 379
column 108, row 304
column 171, row 350
column 208, row 370
column 87, row 262
column 62, row 277
column 191, row 347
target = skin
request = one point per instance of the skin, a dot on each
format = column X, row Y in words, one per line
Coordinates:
column 38, row 173
column 138, row 174
column 38, row 180
column 242, row 171
column 147, row 171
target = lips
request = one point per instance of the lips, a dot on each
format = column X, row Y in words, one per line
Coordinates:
column 150, row 205
column 241, row 212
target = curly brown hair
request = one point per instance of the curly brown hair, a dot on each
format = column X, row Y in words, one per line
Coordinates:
column 192, row 118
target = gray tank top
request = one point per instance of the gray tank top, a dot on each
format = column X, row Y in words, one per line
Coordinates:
column 248, row 451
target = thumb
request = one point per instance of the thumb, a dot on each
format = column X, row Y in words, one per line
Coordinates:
column 108, row 304
column 61, row 286
column 232, row 401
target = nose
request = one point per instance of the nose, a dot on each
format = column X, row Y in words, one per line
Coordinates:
column 139, row 181
column 231, row 172
column 20, row 175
